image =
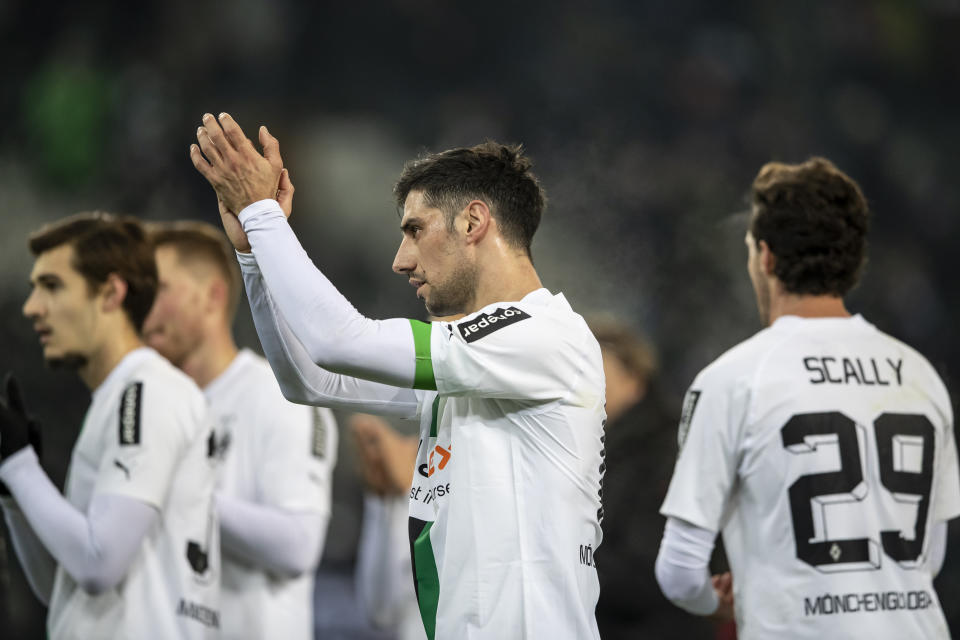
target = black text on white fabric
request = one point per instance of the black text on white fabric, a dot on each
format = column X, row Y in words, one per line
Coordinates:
column 486, row 323
column 130, row 414
column 686, row 415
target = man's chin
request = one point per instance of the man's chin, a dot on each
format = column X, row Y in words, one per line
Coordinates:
column 67, row 361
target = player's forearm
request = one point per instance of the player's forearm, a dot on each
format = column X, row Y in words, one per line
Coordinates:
column 96, row 549
column 682, row 567
column 334, row 333
column 282, row 542
column 303, row 381
column 383, row 576
column 38, row 565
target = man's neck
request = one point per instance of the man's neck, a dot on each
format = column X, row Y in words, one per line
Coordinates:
column 806, row 306
column 105, row 360
column 211, row 358
column 506, row 281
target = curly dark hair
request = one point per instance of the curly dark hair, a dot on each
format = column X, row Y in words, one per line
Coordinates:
column 815, row 220
column 498, row 174
column 104, row 244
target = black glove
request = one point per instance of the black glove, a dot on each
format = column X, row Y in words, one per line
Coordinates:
column 17, row 428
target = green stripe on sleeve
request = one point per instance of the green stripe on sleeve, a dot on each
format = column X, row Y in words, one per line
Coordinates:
column 428, row 581
column 423, row 374
column 434, row 416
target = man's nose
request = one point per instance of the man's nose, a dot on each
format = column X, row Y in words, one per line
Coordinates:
column 31, row 306
column 404, row 261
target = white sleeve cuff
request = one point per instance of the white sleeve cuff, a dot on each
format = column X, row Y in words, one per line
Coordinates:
column 261, row 207
column 248, row 262
column 13, row 468
column 682, row 567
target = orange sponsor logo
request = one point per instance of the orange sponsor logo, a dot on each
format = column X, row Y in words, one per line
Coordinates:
column 444, row 455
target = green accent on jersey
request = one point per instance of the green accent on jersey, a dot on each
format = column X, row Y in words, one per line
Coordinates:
column 434, row 417
column 423, row 374
column 428, row 581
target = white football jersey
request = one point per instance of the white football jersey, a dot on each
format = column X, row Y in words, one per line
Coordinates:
column 146, row 435
column 505, row 505
column 279, row 454
column 824, row 450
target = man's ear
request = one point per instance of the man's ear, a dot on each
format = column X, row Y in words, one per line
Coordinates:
column 478, row 220
column 768, row 261
column 114, row 292
column 217, row 294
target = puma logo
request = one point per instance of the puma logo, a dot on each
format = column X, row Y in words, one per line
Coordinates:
column 122, row 467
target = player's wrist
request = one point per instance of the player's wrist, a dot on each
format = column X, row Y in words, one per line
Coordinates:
column 268, row 207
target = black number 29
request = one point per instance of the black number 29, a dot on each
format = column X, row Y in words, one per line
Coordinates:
column 895, row 434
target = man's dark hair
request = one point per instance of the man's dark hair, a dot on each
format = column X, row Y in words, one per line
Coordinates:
column 199, row 241
column 815, row 219
column 104, row 244
column 498, row 174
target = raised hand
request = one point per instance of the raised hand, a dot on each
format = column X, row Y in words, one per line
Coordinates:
column 234, row 168
column 233, row 228
column 285, row 192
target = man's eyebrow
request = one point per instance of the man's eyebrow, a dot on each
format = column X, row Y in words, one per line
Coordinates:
column 46, row 279
column 410, row 223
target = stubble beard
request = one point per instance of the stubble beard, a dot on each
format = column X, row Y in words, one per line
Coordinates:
column 454, row 295
column 68, row 362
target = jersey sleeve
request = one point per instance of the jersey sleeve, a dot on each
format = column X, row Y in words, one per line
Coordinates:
column 297, row 457
column 947, row 505
column 300, row 378
column 713, row 414
column 506, row 352
column 147, row 441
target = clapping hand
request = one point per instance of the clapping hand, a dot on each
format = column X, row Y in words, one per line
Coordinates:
column 234, row 168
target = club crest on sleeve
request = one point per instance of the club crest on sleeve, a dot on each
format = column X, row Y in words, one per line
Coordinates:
column 486, row 323
column 130, row 414
column 686, row 415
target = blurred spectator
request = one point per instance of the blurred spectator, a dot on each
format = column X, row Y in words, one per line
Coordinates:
column 641, row 446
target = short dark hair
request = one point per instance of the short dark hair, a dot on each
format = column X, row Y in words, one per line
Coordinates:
column 193, row 240
column 104, row 244
column 815, row 220
column 498, row 174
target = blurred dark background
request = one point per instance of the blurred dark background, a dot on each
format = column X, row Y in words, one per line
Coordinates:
column 646, row 121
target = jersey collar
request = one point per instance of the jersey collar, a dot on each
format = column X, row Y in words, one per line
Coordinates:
column 794, row 321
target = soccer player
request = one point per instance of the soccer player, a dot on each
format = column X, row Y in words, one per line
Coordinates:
column 132, row 548
column 505, row 510
column 273, row 498
column 822, row 448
